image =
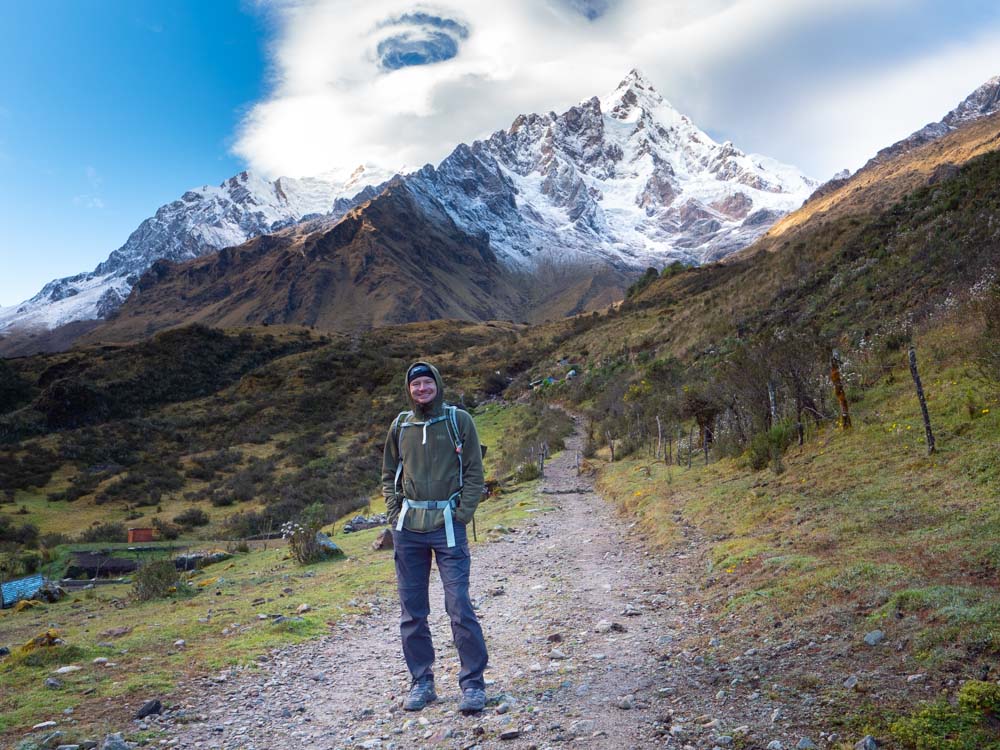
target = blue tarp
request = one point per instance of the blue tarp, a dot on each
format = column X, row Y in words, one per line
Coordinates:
column 23, row 588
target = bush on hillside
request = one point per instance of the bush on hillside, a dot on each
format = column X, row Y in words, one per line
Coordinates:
column 166, row 530
column 111, row 531
column 192, row 517
column 25, row 534
column 767, row 448
column 155, row 580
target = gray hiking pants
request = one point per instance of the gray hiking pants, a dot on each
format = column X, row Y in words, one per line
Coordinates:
column 413, row 551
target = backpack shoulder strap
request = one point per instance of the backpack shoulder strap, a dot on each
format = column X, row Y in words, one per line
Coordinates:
column 396, row 425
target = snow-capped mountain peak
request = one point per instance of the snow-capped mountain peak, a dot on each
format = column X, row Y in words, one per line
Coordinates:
column 624, row 180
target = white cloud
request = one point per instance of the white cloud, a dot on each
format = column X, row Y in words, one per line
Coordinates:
column 817, row 83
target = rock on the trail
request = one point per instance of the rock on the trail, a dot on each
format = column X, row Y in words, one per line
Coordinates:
column 115, row 742
column 868, row 743
column 149, row 708
column 582, row 726
column 913, row 678
column 383, row 540
column 805, row 743
column 52, row 683
column 510, row 734
column 625, row 703
column 775, row 745
column 43, row 725
column 724, row 740
column 874, row 638
column 303, row 608
column 851, row 682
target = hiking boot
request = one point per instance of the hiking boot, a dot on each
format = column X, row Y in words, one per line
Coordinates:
column 421, row 693
column 473, row 701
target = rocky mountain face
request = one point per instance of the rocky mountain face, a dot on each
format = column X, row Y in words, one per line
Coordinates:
column 625, row 181
column 200, row 222
column 982, row 102
column 398, row 258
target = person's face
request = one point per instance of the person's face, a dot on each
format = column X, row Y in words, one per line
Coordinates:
column 423, row 389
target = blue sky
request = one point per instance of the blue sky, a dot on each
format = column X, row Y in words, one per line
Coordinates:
column 110, row 108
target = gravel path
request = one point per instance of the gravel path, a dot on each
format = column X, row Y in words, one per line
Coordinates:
column 593, row 642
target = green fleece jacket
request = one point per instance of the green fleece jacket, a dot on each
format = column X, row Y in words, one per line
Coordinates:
column 431, row 463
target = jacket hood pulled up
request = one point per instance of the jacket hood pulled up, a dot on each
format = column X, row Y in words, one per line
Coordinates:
column 435, row 407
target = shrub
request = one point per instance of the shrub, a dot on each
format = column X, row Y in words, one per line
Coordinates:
column 941, row 726
column 112, row 531
column 154, row 580
column 301, row 535
column 165, row 529
column 192, row 517
column 526, row 472
column 977, row 695
column 26, row 534
column 767, row 448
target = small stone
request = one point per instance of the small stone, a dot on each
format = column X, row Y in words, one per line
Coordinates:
column 302, row 609
column 604, row 626
column 557, row 654
column 867, row 743
column 805, row 743
column 149, row 708
column 775, row 745
column 851, row 682
column 43, row 725
column 180, row 643
column 916, row 678
column 713, row 642
column 874, row 638
column 724, row 740
column 625, row 703
column 582, row 726
column 67, row 669
column 510, row 734
column 536, row 667
column 775, row 715
column 52, row 683
column 554, row 638
column 114, row 742
column 100, row 660
column 503, row 708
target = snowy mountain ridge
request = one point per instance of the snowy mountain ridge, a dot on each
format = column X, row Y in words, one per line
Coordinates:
column 201, row 221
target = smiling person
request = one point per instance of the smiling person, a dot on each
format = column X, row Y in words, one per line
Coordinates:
column 432, row 480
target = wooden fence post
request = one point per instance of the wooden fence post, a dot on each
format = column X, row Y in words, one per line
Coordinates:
column 838, row 388
column 923, row 401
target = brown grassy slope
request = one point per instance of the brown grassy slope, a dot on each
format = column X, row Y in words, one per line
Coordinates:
column 875, row 188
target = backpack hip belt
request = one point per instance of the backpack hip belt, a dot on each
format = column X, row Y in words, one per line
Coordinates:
column 448, row 506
